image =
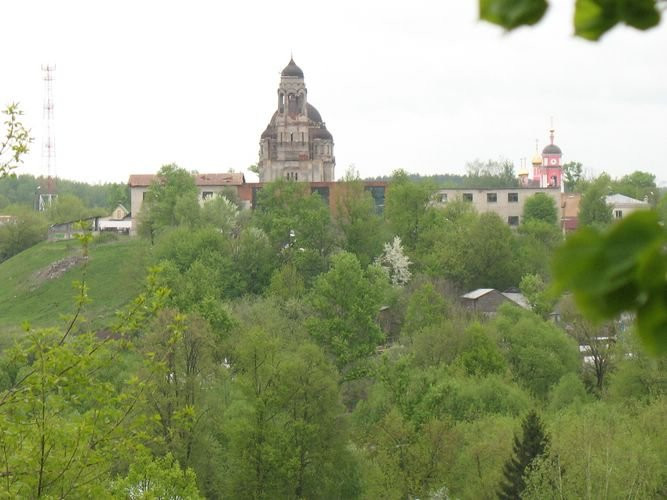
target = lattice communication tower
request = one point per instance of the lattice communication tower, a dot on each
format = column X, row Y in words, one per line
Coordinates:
column 48, row 192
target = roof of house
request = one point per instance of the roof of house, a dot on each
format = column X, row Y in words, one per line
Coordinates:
column 618, row 199
column 515, row 297
column 518, row 299
column 476, row 294
column 228, row 179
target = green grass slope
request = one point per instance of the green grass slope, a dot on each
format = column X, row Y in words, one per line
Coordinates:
column 115, row 275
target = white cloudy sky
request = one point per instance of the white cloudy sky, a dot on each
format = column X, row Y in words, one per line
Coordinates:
column 419, row 85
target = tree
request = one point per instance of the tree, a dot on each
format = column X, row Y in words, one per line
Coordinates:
column 490, row 174
column 592, row 18
column 171, row 200
column 572, row 173
column 406, row 207
column 598, row 340
column 638, row 185
column 356, row 217
column 346, row 301
column 532, row 445
column 539, row 352
column 537, row 294
column 426, row 307
column 67, row 208
column 593, row 208
column 15, row 141
column 489, row 254
column 540, row 207
column 395, row 263
column 294, row 218
column 26, row 229
column 161, row 477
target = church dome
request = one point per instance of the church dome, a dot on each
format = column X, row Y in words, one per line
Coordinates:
column 292, row 70
column 313, row 114
column 320, row 133
column 552, row 149
column 537, row 159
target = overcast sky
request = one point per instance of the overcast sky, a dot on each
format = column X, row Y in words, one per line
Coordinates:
column 419, row 85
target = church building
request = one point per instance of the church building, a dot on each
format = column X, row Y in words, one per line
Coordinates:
column 296, row 144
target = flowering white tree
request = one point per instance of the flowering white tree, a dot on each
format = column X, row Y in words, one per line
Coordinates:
column 395, row 263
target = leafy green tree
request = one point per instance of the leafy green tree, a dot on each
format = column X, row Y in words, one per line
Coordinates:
column 26, row 229
column 593, row 208
column 536, row 242
column 292, row 217
column 539, row 353
column 602, row 450
column 15, row 140
column 540, row 207
column 221, row 213
column 284, row 432
column 537, row 294
column 346, row 301
column 408, row 462
column 67, row 208
column 362, row 228
column 638, row 185
column 161, row 477
column 489, row 258
column 592, row 18
column 490, row 174
column 426, row 307
column 67, row 421
column 532, row 444
column 406, row 207
column 572, row 174
column 117, row 194
column 187, row 360
column 171, row 200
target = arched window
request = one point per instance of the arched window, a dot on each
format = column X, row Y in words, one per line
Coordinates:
column 303, row 137
column 291, row 136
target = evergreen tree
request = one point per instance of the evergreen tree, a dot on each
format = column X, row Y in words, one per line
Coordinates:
column 532, row 444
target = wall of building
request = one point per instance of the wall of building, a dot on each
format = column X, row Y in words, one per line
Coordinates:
column 505, row 206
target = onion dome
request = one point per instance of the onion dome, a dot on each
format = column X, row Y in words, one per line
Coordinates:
column 552, row 149
column 537, row 159
column 292, row 70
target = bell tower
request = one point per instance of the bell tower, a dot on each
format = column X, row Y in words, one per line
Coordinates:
column 296, row 144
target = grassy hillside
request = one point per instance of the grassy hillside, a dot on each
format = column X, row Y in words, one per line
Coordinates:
column 36, row 284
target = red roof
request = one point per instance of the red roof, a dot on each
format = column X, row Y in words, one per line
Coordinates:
column 229, row 179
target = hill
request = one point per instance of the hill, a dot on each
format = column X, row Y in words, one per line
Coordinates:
column 36, row 285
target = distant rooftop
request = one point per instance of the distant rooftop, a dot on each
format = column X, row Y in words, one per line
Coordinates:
column 228, row 179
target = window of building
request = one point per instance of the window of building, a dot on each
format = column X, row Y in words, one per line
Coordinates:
column 303, row 137
column 143, row 195
column 206, row 195
column 291, row 136
column 513, row 197
column 618, row 214
column 491, row 197
column 443, row 197
column 513, row 220
column 467, row 196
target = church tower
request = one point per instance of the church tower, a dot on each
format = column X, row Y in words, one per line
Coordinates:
column 549, row 173
column 296, row 144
